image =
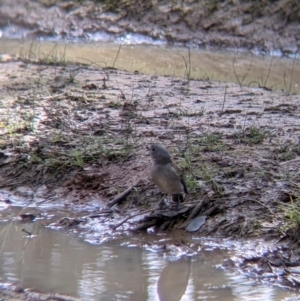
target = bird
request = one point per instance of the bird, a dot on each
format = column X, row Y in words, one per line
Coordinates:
column 166, row 175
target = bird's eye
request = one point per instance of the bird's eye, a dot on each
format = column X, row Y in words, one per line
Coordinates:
column 153, row 149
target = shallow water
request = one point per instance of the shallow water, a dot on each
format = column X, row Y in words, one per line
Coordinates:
column 247, row 69
column 50, row 261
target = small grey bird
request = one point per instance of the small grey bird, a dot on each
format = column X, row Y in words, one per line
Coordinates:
column 165, row 174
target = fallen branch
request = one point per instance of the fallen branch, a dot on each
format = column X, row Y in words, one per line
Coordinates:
column 195, row 211
column 122, row 195
column 144, row 226
column 289, row 162
column 130, row 217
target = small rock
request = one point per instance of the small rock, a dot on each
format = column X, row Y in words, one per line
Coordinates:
column 196, row 223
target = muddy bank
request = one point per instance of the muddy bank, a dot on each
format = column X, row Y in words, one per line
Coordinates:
column 261, row 27
column 17, row 293
column 75, row 136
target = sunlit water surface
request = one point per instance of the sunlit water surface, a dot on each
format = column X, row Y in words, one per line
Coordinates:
column 50, row 261
column 227, row 66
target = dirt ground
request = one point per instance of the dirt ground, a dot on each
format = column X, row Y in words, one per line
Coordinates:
column 77, row 135
column 261, row 26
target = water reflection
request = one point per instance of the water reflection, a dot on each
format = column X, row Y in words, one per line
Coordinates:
column 50, row 261
column 173, row 280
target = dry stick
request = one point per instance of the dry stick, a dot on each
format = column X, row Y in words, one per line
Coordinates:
column 144, row 225
column 134, row 215
column 53, row 52
column 237, row 78
column 270, row 66
column 255, row 82
column 30, row 51
column 210, row 210
column 243, row 129
column 122, row 195
column 117, row 55
column 289, row 162
column 290, row 86
column 295, row 184
column 246, row 74
column 197, row 208
column 195, row 211
column 92, row 62
column 244, row 125
column 285, row 85
column 224, row 100
column 170, row 112
column 64, row 52
column 97, row 65
column 252, row 200
column 189, row 72
column 131, row 216
column 186, row 65
column 249, row 68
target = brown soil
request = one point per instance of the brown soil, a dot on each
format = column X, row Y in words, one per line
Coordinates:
column 77, row 135
column 257, row 25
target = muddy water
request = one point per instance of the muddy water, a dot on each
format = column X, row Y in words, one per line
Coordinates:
column 247, row 69
column 50, row 261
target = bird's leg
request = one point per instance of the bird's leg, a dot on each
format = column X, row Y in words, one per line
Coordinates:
column 177, row 198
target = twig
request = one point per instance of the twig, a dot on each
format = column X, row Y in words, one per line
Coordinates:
column 224, row 100
column 255, row 82
column 236, row 76
column 197, row 208
column 249, row 68
column 122, row 195
column 291, row 161
column 94, row 63
column 189, row 72
column 252, row 200
column 195, row 211
column 186, row 65
column 117, row 55
column 144, row 225
column 131, row 216
column 209, row 211
column 245, row 75
column 290, row 86
column 270, row 66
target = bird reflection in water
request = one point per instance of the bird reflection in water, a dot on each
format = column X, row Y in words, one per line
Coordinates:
column 174, row 279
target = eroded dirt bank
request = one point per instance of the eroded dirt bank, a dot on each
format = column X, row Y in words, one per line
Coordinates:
column 76, row 136
column 256, row 25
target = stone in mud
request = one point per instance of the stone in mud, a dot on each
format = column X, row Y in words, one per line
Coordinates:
column 196, row 224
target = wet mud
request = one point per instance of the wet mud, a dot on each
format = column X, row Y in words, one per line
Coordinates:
column 74, row 137
column 17, row 293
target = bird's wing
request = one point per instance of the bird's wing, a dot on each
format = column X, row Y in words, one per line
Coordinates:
column 180, row 176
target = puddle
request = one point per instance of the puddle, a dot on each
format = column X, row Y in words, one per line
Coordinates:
column 50, row 261
column 272, row 72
